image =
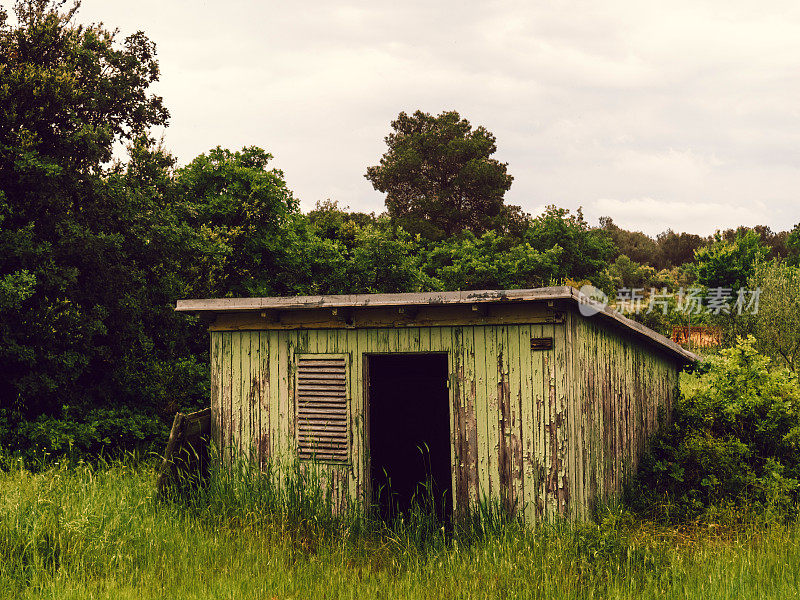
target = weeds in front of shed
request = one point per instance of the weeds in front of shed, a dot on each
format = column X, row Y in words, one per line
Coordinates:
column 99, row 531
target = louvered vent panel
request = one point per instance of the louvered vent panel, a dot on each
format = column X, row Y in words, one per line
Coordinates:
column 322, row 422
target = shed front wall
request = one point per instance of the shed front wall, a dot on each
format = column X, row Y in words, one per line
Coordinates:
column 540, row 431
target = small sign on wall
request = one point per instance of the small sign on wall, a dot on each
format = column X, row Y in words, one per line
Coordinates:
column 541, row 343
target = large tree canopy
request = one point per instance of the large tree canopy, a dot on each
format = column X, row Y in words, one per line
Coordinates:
column 67, row 94
column 439, row 177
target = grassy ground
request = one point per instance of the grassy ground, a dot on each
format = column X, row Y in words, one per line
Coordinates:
column 87, row 532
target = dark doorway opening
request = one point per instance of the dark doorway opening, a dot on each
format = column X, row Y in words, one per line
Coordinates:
column 409, row 430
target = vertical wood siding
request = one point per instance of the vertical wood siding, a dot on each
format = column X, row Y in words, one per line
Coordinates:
column 623, row 391
column 543, row 432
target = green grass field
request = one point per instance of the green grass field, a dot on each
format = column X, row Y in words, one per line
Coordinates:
column 83, row 532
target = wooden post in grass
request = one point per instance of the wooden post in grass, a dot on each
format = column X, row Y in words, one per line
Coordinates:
column 187, row 449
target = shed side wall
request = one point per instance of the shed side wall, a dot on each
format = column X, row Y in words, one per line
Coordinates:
column 623, row 390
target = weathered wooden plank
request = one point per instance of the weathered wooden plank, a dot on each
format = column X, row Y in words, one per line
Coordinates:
column 576, row 416
column 285, row 406
column 216, row 391
column 504, row 417
column 350, row 346
column 527, row 424
column 254, row 397
column 275, row 447
column 247, row 396
column 484, row 485
column 415, row 340
column 394, row 340
column 382, row 341
column 225, row 432
column 552, row 443
column 581, row 401
column 250, row 406
column 401, row 299
column 187, row 450
column 424, row 339
column 545, row 413
column 460, row 460
column 339, row 345
column 403, row 339
column 596, row 345
column 515, row 415
column 366, row 349
column 599, row 346
column 455, row 371
column 470, row 414
column 608, row 416
column 259, row 372
column 236, row 397
column 602, row 377
column 493, row 407
column 573, row 493
column 562, row 386
column 535, row 492
column 436, row 339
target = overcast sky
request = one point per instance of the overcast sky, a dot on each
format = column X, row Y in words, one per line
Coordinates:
column 678, row 114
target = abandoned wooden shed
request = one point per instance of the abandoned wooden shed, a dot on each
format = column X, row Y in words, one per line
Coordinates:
column 510, row 395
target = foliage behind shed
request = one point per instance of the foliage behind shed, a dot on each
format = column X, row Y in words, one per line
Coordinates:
column 547, row 410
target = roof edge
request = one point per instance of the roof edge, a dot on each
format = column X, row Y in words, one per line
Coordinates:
column 571, row 294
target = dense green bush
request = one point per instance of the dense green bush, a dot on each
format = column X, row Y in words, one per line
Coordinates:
column 734, row 439
column 80, row 435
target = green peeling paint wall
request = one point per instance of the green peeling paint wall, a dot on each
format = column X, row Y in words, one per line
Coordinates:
column 545, row 432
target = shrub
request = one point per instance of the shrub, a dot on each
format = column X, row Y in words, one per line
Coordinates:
column 81, row 435
column 734, row 439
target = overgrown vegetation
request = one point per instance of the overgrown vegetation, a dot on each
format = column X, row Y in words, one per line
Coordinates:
column 734, row 442
column 98, row 532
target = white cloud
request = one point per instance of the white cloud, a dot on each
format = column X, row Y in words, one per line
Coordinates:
column 691, row 102
column 649, row 214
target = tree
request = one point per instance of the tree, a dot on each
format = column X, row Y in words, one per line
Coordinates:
column 637, row 246
column 585, row 252
column 724, row 264
column 775, row 241
column 777, row 322
column 384, row 259
column 68, row 94
column 439, row 177
column 246, row 205
column 626, row 273
column 676, row 249
column 337, row 223
column 467, row 262
column 793, row 246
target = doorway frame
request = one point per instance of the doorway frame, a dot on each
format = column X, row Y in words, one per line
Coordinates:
column 368, row 419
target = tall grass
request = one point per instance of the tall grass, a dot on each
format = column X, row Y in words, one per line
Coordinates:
column 100, row 532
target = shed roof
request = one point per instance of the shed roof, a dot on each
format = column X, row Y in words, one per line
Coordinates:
column 564, row 293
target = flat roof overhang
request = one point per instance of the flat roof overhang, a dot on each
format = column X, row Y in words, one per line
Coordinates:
column 470, row 297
